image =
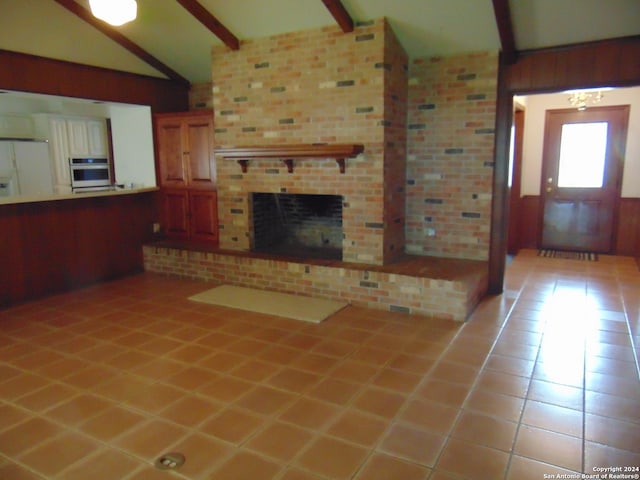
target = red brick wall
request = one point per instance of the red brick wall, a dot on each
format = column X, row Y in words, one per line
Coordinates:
column 200, row 96
column 423, row 184
column 307, row 87
column 450, row 144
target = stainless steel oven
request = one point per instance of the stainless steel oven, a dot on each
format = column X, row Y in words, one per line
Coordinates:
column 89, row 173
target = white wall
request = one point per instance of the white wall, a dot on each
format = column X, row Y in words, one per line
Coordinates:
column 132, row 135
column 536, row 106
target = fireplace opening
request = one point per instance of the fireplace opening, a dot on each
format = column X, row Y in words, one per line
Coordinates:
column 298, row 225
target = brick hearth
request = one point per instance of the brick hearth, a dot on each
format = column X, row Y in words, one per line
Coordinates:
column 434, row 287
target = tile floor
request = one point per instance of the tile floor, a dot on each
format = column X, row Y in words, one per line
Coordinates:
column 98, row 383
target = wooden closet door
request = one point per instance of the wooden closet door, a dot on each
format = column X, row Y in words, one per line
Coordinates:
column 171, row 151
column 199, row 157
column 204, row 215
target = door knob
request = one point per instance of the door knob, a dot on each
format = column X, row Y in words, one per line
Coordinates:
column 549, row 189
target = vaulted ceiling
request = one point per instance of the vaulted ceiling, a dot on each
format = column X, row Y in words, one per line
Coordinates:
column 174, row 43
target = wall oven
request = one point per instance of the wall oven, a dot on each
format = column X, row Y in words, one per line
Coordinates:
column 90, row 174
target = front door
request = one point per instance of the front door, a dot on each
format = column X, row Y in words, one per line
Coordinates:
column 581, row 177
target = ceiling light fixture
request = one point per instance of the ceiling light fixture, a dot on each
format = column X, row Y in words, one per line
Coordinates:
column 114, row 12
column 580, row 98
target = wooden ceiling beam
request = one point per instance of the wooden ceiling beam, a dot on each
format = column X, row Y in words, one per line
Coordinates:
column 505, row 30
column 208, row 20
column 340, row 14
column 123, row 41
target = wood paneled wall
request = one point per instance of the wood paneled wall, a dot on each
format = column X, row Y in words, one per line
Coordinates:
column 628, row 235
column 606, row 63
column 30, row 73
column 49, row 247
column 528, row 219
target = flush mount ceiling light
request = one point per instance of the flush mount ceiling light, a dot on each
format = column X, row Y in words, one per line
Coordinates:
column 114, row 12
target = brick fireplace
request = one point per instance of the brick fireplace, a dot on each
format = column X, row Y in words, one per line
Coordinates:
column 325, row 87
column 319, row 86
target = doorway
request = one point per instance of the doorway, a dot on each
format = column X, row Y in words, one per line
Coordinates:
column 581, row 177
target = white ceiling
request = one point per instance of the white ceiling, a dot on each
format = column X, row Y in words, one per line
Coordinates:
column 424, row 27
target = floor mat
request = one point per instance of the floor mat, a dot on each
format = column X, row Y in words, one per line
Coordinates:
column 588, row 256
column 308, row 309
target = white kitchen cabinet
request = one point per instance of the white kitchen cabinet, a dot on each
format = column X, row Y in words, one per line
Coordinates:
column 87, row 138
column 59, row 146
column 97, row 136
column 78, row 137
column 72, row 137
column 16, row 126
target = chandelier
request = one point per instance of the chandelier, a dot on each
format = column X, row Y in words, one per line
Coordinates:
column 114, row 12
column 581, row 98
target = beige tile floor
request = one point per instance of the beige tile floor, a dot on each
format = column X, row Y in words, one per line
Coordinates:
column 98, row 383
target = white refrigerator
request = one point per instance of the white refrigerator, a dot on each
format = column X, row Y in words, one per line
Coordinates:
column 28, row 164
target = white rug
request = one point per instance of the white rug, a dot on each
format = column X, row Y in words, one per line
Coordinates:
column 308, row 309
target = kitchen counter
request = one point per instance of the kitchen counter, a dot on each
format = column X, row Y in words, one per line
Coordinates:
column 73, row 196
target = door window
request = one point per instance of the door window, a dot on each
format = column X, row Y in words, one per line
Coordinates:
column 582, row 155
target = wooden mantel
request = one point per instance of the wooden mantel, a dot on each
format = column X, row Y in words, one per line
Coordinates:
column 289, row 153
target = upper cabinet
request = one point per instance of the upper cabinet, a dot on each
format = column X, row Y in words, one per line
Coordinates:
column 71, row 137
column 87, row 137
column 185, row 149
column 59, row 145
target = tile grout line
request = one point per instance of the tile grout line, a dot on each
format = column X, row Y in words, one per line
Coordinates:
column 475, row 381
column 526, row 394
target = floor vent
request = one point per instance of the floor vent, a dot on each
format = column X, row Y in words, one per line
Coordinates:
column 170, row 461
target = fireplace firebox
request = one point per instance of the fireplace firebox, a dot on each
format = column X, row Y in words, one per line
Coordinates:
column 297, row 225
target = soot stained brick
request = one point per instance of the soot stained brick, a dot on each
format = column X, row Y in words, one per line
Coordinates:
column 398, row 308
column 470, row 215
column 365, row 37
column 386, row 66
